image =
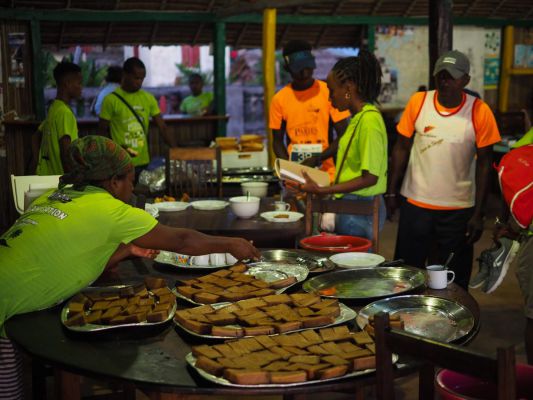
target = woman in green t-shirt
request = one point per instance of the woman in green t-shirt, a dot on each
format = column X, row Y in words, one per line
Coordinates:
column 354, row 84
column 67, row 237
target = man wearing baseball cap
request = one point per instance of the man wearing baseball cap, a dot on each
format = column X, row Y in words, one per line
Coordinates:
column 445, row 148
column 302, row 111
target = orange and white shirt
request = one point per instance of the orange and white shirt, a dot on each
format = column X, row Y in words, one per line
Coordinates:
column 441, row 170
column 306, row 114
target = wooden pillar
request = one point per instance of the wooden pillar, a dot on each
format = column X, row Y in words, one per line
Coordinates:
column 505, row 71
column 269, row 70
column 220, row 75
column 440, row 32
column 37, row 72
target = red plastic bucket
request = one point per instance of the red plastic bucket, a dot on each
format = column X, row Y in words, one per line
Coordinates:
column 455, row 386
column 335, row 243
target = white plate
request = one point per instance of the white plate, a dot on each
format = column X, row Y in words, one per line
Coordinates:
column 209, row 205
column 151, row 209
column 170, row 206
column 356, row 260
column 286, row 216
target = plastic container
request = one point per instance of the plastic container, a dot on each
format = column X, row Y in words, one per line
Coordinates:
column 328, row 243
column 452, row 385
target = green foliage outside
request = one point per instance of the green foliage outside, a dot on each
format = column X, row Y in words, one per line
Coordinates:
column 188, row 71
column 92, row 76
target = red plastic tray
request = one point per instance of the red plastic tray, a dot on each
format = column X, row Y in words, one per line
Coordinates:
column 329, row 243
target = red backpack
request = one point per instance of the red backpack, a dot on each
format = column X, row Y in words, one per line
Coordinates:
column 515, row 173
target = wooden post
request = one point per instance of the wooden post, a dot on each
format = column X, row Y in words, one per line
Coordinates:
column 440, row 32
column 37, row 73
column 269, row 71
column 505, row 70
column 220, row 74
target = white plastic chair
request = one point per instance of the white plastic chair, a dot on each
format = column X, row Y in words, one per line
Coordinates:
column 39, row 183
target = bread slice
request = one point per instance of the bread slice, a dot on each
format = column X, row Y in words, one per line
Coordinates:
column 282, row 327
column 206, row 298
column 282, row 283
column 197, row 327
column 148, row 301
column 161, row 291
column 333, row 311
column 76, row 320
column 205, row 351
column 100, row 305
column 251, row 344
column 245, row 377
column 305, row 359
column 157, row 316
column 75, row 308
column 332, row 348
column 311, row 336
column 362, row 338
column 335, row 360
column 356, row 354
column 221, row 319
column 321, row 320
column 94, row 317
column 318, row 349
column 324, row 303
column 265, row 341
column 259, row 330
column 288, row 376
column 304, row 299
column 276, row 366
column 332, row 372
column 154, row 283
column 296, row 351
column 209, row 365
column 362, row 363
column 119, row 303
column 110, row 314
column 239, row 267
column 227, row 331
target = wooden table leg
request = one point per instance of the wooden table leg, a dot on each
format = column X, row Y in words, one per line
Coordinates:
column 67, row 385
column 167, row 396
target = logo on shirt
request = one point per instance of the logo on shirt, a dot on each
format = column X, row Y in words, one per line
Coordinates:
column 428, row 128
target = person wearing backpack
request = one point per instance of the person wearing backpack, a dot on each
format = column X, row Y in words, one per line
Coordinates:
column 515, row 174
column 126, row 112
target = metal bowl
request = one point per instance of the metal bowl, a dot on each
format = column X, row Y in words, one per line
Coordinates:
column 315, row 263
column 429, row 316
column 366, row 283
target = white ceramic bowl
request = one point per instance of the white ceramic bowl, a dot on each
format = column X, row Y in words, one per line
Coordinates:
column 244, row 207
column 259, row 189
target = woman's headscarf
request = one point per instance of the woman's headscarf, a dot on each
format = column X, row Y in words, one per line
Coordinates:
column 94, row 158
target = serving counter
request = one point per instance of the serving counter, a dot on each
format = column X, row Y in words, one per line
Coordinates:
column 187, row 131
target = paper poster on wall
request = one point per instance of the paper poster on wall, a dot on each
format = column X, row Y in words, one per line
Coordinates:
column 491, row 65
column 16, row 42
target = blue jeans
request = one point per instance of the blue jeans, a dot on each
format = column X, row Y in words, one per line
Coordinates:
column 359, row 225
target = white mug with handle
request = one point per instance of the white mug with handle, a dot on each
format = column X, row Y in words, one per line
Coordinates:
column 281, row 206
column 438, row 276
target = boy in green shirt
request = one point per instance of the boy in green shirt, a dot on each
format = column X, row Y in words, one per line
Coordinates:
column 126, row 112
column 59, row 128
column 198, row 103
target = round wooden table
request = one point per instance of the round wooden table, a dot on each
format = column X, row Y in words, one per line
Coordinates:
column 153, row 359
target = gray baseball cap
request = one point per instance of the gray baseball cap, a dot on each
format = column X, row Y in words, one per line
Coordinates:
column 455, row 62
column 300, row 60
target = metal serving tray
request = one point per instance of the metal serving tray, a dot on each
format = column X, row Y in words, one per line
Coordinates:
column 429, row 316
column 191, row 360
column 347, row 314
column 366, row 283
column 268, row 272
column 100, row 328
column 315, row 263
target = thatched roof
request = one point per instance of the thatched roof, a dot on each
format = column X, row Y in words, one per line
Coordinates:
column 324, row 23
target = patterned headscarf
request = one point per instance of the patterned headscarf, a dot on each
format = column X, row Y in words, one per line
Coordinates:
column 94, row 158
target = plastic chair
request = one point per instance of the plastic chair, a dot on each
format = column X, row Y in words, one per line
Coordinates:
column 195, row 171
column 314, row 204
column 500, row 369
column 21, row 184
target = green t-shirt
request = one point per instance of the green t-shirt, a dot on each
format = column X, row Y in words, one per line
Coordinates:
column 196, row 105
column 125, row 128
column 56, row 249
column 59, row 122
column 368, row 150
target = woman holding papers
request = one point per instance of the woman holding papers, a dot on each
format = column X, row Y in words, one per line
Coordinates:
column 354, row 84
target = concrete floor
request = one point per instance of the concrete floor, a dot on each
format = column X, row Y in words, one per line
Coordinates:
column 502, row 322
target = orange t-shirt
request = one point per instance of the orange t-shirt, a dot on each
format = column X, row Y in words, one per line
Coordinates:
column 306, row 114
column 486, row 130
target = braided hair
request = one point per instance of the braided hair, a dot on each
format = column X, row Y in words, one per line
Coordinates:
column 363, row 70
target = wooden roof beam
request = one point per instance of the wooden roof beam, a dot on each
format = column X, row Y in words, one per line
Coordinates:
column 109, row 27
column 325, row 27
column 155, row 26
column 202, row 25
column 285, row 32
column 497, row 8
column 240, row 36
column 239, row 7
column 62, row 28
column 470, row 7
column 409, row 8
column 376, row 7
